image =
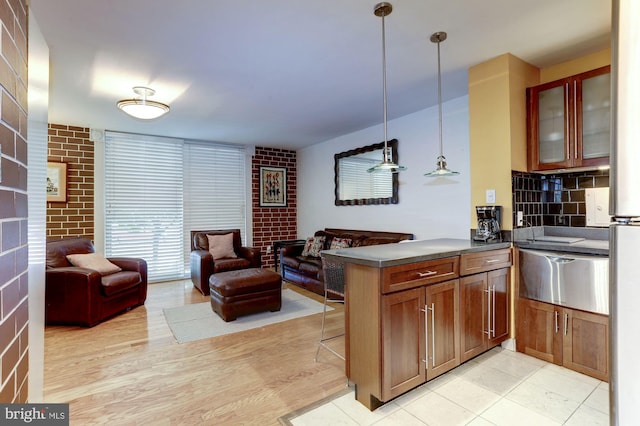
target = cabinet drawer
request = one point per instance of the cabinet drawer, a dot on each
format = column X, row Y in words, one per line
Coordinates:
column 403, row 277
column 472, row 263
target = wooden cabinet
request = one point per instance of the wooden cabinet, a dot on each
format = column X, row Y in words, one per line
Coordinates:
column 418, row 274
column 568, row 121
column 484, row 311
column 441, row 311
column 585, row 345
column 537, row 330
column 474, row 310
column 419, row 336
column 484, row 301
column 472, row 263
column 419, row 323
column 404, row 321
column 403, row 342
column 388, row 312
column 575, row 339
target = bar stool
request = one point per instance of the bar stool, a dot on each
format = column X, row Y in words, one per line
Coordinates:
column 333, row 282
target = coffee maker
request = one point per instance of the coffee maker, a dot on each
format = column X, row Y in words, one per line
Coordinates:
column 488, row 223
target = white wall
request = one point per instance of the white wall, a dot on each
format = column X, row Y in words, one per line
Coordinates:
column 428, row 207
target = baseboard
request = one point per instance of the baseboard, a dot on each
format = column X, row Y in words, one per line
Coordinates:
column 509, row 344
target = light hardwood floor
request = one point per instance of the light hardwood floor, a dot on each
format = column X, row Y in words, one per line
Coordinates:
column 131, row 371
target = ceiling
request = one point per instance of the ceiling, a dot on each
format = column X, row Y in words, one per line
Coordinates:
column 289, row 73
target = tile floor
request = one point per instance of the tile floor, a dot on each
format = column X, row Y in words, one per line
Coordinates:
column 500, row 387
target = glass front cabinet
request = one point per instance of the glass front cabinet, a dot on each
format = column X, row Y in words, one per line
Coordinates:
column 568, row 121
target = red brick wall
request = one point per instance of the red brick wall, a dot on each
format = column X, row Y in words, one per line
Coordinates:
column 14, row 255
column 273, row 223
column 71, row 145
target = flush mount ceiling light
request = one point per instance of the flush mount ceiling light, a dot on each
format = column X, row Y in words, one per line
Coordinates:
column 384, row 9
column 141, row 107
column 441, row 169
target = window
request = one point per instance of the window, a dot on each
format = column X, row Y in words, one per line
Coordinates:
column 158, row 189
column 215, row 190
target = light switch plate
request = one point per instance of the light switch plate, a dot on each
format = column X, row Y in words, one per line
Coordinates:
column 597, row 206
column 490, row 196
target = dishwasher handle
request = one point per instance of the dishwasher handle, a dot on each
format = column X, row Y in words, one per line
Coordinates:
column 559, row 259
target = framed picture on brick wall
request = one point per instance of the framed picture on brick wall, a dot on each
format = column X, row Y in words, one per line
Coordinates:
column 273, row 186
column 56, row 181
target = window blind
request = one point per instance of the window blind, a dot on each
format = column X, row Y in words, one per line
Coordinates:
column 144, row 201
column 214, row 190
column 159, row 189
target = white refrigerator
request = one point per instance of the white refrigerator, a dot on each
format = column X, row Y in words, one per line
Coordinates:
column 624, row 206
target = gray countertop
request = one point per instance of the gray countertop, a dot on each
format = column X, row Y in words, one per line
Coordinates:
column 598, row 247
column 596, row 240
column 411, row 251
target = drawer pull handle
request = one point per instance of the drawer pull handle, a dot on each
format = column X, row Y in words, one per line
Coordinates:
column 492, row 261
column 427, row 274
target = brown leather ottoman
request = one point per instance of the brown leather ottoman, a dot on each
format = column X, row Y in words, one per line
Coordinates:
column 245, row 291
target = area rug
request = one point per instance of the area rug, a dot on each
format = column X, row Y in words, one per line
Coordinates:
column 198, row 321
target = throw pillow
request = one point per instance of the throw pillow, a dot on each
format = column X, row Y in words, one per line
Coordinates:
column 221, row 246
column 338, row 243
column 93, row 261
column 313, row 246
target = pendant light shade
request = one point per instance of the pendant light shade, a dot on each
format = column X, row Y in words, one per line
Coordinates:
column 143, row 108
column 441, row 162
column 384, row 9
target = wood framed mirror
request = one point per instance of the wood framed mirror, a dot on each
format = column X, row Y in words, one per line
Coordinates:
column 354, row 186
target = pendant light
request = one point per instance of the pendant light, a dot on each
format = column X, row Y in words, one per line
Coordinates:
column 441, row 168
column 384, row 9
column 143, row 108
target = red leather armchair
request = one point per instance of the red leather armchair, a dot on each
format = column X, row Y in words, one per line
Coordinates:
column 202, row 263
column 81, row 296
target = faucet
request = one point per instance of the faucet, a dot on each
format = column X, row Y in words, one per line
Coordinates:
column 533, row 235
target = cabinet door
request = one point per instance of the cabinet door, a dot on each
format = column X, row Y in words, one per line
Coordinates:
column 473, row 315
column 549, row 114
column 403, row 343
column 538, row 330
column 442, row 329
column 593, row 116
column 586, row 343
column 568, row 121
column 499, row 288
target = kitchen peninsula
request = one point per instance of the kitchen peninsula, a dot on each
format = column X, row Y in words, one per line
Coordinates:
column 415, row 310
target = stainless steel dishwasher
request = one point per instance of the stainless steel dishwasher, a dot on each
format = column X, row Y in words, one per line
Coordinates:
column 574, row 280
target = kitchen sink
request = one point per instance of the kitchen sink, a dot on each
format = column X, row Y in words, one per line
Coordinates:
column 556, row 239
column 574, row 280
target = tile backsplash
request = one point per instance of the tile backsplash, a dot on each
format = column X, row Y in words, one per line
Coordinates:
column 554, row 199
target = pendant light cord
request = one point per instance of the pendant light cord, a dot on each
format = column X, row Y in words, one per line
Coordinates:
column 384, row 90
column 381, row 10
column 439, row 101
column 441, row 164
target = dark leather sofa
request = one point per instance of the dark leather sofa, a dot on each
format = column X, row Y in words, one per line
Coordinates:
column 306, row 271
column 81, row 296
column 203, row 266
